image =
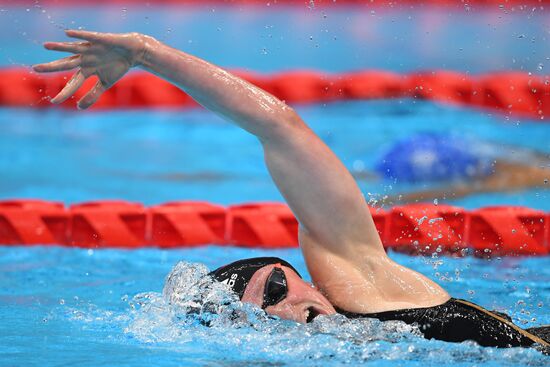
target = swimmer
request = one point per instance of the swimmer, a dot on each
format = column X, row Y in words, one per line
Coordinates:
column 507, row 176
column 350, row 270
column 464, row 165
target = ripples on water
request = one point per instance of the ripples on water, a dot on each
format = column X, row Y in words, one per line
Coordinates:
column 190, row 301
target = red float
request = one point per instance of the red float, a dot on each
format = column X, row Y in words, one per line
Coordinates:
column 142, row 89
column 521, row 93
column 262, row 225
column 180, row 224
column 32, row 222
column 108, row 223
column 380, row 217
column 443, row 86
column 509, row 93
column 500, row 231
column 427, row 229
column 299, row 86
column 373, row 84
column 415, row 229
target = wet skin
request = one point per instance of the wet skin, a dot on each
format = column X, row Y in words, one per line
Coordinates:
column 302, row 303
column 339, row 240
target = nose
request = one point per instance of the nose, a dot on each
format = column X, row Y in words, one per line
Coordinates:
column 305, row 296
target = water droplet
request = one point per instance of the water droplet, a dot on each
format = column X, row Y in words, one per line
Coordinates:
column 421, row 220
column 436, row 202
column 61, row 301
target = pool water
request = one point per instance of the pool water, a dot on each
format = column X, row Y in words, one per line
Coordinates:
column 68, row 306
column 274, row 37
column 156, row 156
column 64, row 306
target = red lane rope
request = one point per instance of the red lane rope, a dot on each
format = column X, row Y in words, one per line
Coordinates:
column 302, row 3
column 416, row 229
column 515, row 93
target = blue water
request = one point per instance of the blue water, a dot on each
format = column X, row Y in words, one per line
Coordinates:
column 63, row 306
column 153, row 156
column 72, row 306
column 274, row 37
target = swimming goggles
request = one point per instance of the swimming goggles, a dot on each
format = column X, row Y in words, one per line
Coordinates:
column 275, row 289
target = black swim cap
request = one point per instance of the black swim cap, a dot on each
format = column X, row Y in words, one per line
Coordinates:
column 238, row 274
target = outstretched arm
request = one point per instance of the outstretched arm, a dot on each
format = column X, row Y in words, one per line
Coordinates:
column 318, row 188
column 337, row 233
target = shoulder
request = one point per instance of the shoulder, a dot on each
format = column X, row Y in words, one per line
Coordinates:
column 367, row 280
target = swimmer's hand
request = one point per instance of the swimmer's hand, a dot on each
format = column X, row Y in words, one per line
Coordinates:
column 108, row 56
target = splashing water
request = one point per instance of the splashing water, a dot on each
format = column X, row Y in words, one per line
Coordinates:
column 194, row 321
column 194, row 311
column 193, row 308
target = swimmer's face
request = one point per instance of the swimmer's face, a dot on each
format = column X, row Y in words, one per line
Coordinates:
column 302, row 302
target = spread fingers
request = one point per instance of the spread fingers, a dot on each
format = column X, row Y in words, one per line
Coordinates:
column 64, row 64
column 74, row 47
column 70, row 88
column 92, row 96
column 86, row 35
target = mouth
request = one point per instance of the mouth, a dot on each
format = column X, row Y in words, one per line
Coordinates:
column 311, row 313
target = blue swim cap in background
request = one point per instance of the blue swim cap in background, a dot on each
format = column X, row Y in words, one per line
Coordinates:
column 433, row 157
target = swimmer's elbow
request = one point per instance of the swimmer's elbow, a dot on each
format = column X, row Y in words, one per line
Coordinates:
column 292, row 120
column 287, row 125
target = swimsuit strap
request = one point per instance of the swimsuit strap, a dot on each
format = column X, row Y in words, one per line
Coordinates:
column 523, row 332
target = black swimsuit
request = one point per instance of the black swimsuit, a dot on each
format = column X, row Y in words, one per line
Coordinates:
column 457, row 320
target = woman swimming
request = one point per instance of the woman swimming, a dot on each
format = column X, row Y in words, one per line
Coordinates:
column 350, row 270
column 462, row 166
